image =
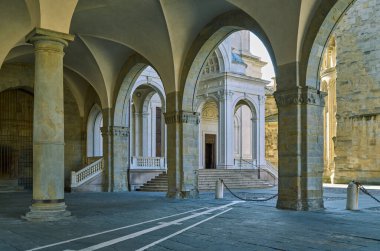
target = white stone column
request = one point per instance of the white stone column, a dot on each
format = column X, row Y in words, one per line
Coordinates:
column 145, row 134
column 138, row 135
column 261, row 132
column 226, row 130
column 48, row 126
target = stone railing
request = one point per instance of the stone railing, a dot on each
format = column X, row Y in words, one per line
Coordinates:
column 148, row 163
column 87, row 173
column 271, row 169
column 244, row 164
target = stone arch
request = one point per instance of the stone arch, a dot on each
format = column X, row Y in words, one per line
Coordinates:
column 224, row 58
column 94, row 138
column 319, row 43
column 201, row 101
column 157, row 88
column 129, row 73
column 128, row 83
column 207, row 42
column 252, row 104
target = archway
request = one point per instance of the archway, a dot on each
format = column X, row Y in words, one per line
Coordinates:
column 16, row 132
column 94, row 138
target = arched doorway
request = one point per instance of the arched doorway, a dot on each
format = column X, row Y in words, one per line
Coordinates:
column 16, row 133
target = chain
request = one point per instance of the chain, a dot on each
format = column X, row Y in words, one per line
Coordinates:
column 240, row 198
column 365, row 191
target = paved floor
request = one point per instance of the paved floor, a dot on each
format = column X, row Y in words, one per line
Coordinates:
column 138, row 221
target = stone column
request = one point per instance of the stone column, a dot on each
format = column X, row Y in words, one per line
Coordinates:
column 226, row 130
column 145, row 134
column 261, row 132
column 300, row 148
column 48, row 126
column 116, row 147
column 138, row 134
column 182, row 153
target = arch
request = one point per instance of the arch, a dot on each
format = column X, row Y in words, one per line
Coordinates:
column 129, row 77
column 315, row 49
column 202, row 100
column 224, row 58
column 252, row 104
column 244, row 135
column 94, row 137
column 155, row 85
column 205, row 44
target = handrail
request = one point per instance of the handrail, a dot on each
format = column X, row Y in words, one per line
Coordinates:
column 87, row 173
column 270, row 168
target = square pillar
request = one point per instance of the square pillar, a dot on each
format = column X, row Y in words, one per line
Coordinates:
column 182, row 153
column 300, row 148
column 116, row 160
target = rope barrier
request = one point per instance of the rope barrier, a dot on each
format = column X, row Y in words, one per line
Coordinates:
column 365, row 191
column 240, row 198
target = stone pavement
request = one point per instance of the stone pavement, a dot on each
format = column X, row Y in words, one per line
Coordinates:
column 193, row 224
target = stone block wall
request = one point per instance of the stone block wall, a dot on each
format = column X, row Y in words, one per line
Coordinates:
column 271, row 130
column 73, row 135
column 16, row 76
column 357, row 145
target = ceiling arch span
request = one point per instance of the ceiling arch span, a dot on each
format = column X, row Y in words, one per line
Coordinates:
column 127, row 76
column 51, row 15
column 318, row 37
column 207, row 41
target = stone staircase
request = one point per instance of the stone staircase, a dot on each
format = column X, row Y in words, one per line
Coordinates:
column 10, row 185
column 157, row 184
column 237, row 179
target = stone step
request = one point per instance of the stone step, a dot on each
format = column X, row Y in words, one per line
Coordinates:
column 236, row 179
column 10, row 185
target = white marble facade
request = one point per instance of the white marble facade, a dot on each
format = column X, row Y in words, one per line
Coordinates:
column 231, row 101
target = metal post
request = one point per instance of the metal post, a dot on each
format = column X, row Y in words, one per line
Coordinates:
column 219, row 189
column 352, row 196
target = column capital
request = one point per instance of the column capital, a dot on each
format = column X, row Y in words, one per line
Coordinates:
column 182, row 117
column 40, row 34
column 115, row 131
column 300, row 96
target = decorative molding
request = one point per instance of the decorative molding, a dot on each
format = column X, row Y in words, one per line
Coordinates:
column 224, row 95
column 182, row 117
column 300, row 96
column 115, row 131
column 210, row 111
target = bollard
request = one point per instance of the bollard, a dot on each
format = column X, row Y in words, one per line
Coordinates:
column 352, row 196
column 218, row 189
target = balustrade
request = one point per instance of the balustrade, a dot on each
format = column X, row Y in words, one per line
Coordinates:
column 88, row 172
column 148, row 163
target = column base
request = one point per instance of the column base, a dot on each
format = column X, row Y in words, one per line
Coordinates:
column 301, row 205
column 47, row 212
column 193, row 194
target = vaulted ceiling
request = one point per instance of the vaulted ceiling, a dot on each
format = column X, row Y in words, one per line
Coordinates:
column 108, row 32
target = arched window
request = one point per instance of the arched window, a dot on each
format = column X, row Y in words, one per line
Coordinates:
column 94, row 135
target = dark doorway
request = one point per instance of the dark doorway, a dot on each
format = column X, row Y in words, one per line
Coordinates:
column 210, row 140
column 16, row 131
